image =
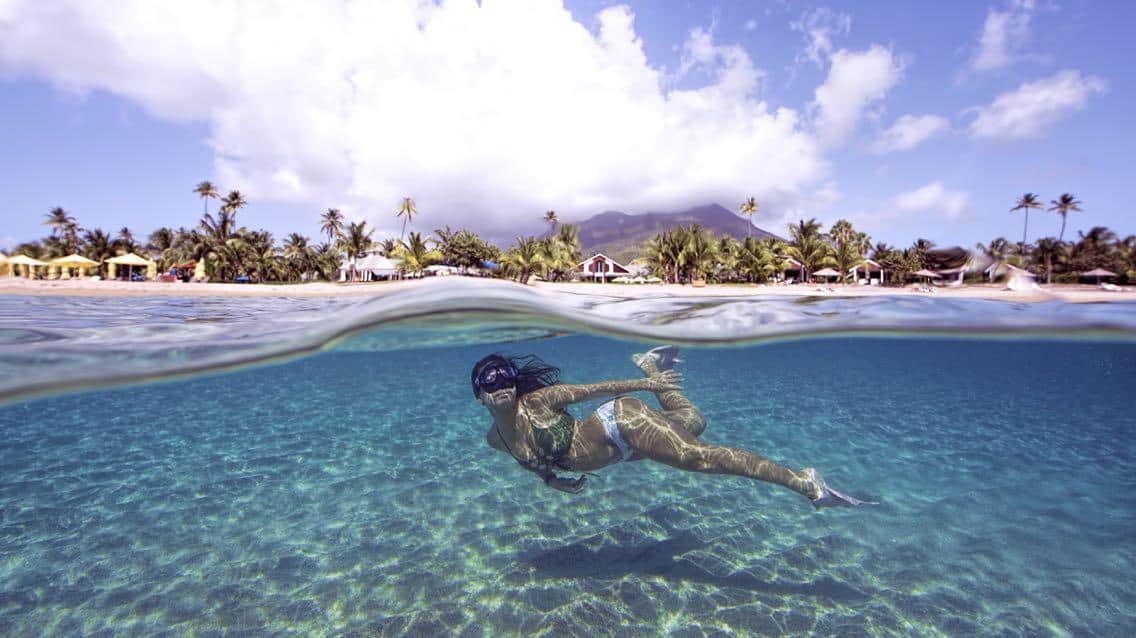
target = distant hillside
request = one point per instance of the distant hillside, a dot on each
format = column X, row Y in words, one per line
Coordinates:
column 621, row 236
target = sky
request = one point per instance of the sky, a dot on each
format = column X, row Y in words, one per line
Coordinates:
column 910, row 119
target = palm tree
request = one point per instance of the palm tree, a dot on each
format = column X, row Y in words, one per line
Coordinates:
column 389, row 248
column 748, row 208
column 99, row 247
column 1027, row 201
column 1062, row 205
column 523, row 258
column 997, row 251
column 356, row 242
column 552, row 220
column 1045, row 250
column 58, row 219
column 161, row 242
column 297, row 255
column 880, row 253
column 807, row 246
column 233, row 202
column 699, row 252
column 920, row 248
column 406, row 211
column 416, row 255
column 331, row 223
column 125, row 241
column 206, row 191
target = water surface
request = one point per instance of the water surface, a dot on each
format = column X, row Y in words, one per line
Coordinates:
column 350, row 491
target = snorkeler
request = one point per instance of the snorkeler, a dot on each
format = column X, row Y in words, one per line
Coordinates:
column 532, row 424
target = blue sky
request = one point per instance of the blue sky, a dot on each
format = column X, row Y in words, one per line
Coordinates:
column 911, row 119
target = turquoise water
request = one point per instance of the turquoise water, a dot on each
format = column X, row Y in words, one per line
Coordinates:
column 349, row 491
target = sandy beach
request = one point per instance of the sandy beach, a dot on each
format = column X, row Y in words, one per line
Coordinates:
column 1072, row 293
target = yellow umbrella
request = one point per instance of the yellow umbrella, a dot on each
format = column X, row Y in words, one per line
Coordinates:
column 27, row 262
column 131, row 259
column 73, row 260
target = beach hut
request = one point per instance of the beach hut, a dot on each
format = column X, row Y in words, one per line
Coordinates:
column 76, row 261
column 29, row 264
column 130, row 260
column 1098, row 273
column 826, row 273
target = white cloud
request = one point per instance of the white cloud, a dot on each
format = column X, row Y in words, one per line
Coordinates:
column 1033, row 107
column 495, row 111
column 750, row 25
column 856, row 80
column 1004, row 35
column 910, row 131
column 819, row 27
column 933, row 198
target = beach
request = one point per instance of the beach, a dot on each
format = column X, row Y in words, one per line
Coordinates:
column 1071, row 293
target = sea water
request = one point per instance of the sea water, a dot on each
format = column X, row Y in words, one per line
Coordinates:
column 328, row 474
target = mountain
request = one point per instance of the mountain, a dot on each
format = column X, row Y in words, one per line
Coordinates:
column 621, row 236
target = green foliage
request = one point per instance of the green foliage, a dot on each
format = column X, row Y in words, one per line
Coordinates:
column 523, row 258
column 464, row 249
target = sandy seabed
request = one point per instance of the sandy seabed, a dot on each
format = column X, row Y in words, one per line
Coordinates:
column 1074, row 293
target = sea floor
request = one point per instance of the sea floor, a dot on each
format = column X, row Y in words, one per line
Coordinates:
column 353, row 494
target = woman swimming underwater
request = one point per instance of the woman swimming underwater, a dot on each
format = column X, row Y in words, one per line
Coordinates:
column 531, row 423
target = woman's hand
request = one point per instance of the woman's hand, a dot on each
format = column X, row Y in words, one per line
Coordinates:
column 664, row 381
column 572, row 486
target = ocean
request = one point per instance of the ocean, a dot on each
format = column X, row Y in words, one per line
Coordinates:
column 225, row 467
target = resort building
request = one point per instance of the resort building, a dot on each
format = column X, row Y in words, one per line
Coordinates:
column 372, row 267
column 602, row 268
column 870, row 272
column 793, row 271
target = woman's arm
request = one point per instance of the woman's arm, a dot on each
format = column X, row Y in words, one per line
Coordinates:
column 563, row 394
column 546, row 474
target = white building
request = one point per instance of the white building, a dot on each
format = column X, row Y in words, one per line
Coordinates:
column 600, row 267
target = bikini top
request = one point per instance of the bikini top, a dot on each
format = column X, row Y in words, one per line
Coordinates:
column 554, row 441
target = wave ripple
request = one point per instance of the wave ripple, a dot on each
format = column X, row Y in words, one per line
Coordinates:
column 53, row 344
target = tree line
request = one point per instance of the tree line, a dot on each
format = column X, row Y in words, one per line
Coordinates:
column 681, row 254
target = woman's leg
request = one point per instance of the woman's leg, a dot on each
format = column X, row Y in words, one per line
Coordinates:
column 676, row 407
column 653, row 436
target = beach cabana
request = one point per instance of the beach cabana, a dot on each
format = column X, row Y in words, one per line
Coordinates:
column 29, row 264
column 826, row 273
column 79, row 262
column 1098, row 273
column 131, row 260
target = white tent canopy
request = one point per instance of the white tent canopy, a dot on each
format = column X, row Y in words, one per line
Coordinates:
column 369, row 267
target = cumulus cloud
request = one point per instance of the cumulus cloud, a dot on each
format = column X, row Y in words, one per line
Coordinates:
column 910, row 131
column 1004, row 35
column 856, row 81
column 819, row 27
column 495, row 111
column 933, row 198
column 1032, row 108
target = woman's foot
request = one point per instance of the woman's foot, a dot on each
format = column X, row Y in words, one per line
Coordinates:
column 656, row 360
column 828, row 497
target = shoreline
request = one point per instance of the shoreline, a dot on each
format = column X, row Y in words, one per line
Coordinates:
column 1069, row 293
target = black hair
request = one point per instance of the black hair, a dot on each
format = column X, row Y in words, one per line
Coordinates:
column 531, row 372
